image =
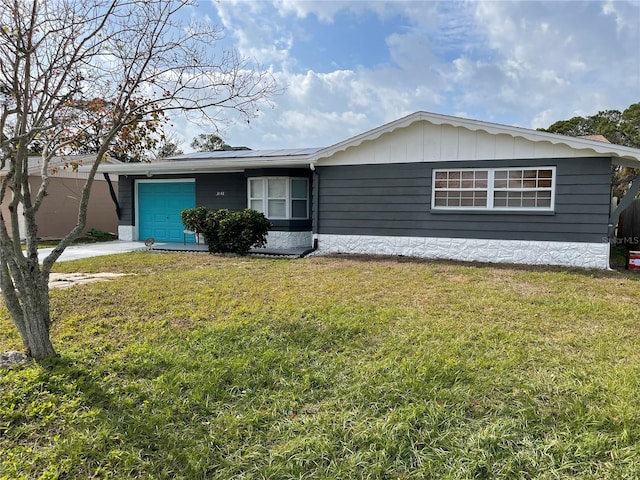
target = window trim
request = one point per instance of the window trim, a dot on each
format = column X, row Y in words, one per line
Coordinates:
column 288, row 196
column 491, row 189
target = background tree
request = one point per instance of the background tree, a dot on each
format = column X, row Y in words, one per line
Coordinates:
column 209, row 142
column 168, row 145
column 631, row 125
column 621, row 128
column 71, row 70
column 168, row 149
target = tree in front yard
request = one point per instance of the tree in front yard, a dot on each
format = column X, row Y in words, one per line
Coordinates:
column 72, row 70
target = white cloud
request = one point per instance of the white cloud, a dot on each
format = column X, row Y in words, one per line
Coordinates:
column 549, row 52
column 625, row 17
column 326, row 11
column 522, row 63
column 257, row 36
column 321, row 124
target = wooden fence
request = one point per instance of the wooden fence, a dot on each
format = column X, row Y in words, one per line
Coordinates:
column 628, row 233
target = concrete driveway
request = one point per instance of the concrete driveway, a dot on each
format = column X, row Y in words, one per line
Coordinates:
column 75, row 252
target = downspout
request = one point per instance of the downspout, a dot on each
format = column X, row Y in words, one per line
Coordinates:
column 316, row 202
column 314, row 212
column 112, row 192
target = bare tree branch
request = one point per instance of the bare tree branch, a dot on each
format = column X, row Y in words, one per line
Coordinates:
column 96, row 76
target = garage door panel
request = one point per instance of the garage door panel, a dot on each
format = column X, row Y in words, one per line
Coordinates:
column 159, row 207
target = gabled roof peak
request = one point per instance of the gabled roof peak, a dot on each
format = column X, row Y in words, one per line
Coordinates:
column 626, row 155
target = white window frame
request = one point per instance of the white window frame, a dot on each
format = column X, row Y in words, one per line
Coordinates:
column 288, row 196
column 491, row 189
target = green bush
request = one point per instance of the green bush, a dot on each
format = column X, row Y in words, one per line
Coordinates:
column 227, row 231
column 100, row 235
column 195, row 219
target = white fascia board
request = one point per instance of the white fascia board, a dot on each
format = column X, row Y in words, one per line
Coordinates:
column 202, row 166
column 621, row 155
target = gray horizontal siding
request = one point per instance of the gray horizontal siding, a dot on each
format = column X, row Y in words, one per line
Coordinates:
column 396, row 200
column 574, row 209
column 213, row 191
column 234, row 186
column 448, row 219
column 291, row 225
column 221, row 190
column 125, row 200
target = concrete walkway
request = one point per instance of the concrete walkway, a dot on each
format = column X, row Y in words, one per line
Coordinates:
column 75, row 252
column 87, row 250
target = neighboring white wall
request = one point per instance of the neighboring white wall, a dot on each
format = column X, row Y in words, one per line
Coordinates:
column 289, row 239
column 569, row 254
column 126, row 232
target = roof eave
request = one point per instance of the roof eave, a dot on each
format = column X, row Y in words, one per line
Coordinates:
column 202, row 166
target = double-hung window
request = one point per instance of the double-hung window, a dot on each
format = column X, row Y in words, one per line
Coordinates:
column 280, row 198
column 530, row 189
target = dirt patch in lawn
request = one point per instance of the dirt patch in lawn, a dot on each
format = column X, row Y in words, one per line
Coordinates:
column 64, row 280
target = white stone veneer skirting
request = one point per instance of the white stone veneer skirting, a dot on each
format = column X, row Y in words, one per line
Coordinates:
column 285, row 240
column 569, row 254
column 125, row 232
column 282, row 240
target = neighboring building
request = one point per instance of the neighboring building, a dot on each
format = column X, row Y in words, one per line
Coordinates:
column 425, row 185
column 58, row 214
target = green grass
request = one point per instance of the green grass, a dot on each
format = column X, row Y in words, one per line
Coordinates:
column 205, row 367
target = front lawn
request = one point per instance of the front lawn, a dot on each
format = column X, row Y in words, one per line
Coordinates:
column 207, row 367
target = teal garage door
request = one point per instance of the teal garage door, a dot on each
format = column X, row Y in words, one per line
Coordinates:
column 159, row 206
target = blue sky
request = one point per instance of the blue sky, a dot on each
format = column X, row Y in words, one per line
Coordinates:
column 349, row 66
column 350, row 40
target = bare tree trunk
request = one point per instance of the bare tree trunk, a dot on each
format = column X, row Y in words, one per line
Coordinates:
column 37, row 315
column 38, row 343
column 69, row 83
column 26, row 295
column 11, row 299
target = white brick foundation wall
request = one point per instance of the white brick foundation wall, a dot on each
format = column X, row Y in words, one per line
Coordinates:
column 125, row 232
column 569, row 254
column 282, row 240
column 289, row 240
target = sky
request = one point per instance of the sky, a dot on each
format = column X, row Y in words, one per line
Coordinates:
column 349, row 66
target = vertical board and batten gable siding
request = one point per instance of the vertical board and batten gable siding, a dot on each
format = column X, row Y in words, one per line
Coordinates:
column 424, row 142
column 395, row 200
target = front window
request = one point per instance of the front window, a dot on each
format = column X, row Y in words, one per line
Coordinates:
column 494, row 189
column 280, row 198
